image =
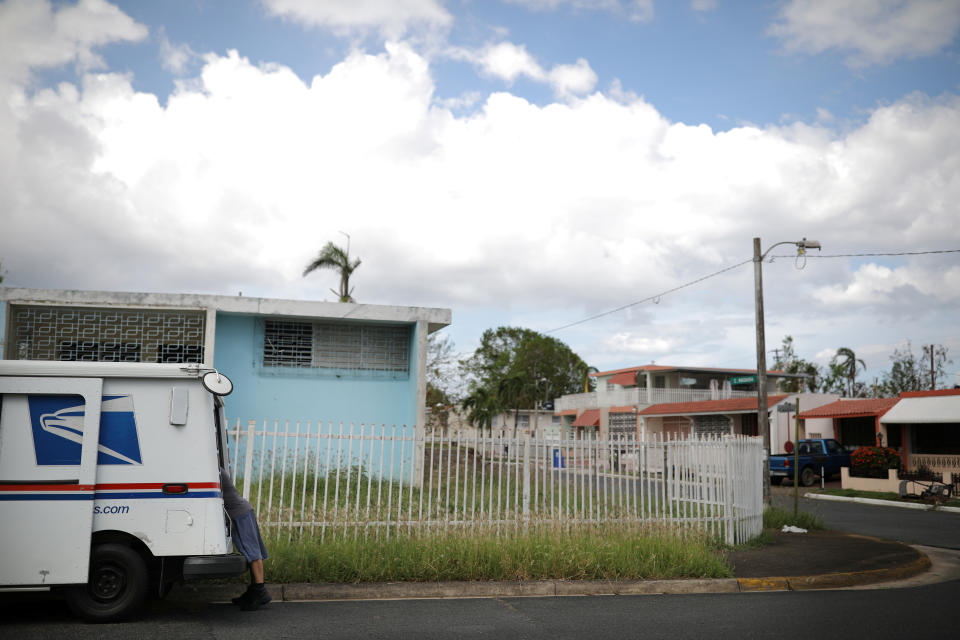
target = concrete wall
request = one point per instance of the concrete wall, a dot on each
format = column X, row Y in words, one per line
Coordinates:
column 307, row 393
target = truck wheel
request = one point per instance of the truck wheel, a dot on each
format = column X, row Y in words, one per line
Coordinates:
column 807, row 476
column 117, row 587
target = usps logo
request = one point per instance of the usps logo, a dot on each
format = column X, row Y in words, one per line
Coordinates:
column 57, row 423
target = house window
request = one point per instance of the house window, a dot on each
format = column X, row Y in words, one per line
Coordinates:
column 336, row 346
column 106, row 334
column 659, row 382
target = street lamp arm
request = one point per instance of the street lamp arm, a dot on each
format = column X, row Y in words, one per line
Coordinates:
column 802, row 245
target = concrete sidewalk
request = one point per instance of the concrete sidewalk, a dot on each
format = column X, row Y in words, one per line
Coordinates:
column 793, row 561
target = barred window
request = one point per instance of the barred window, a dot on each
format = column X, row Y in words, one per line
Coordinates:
column 106, row 334
column 330, row 345
column 622, row 424
column 287, row 344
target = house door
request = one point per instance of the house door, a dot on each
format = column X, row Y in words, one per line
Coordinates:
column 49, row 431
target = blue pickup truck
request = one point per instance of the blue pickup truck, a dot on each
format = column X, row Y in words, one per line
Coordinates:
column 814, row 455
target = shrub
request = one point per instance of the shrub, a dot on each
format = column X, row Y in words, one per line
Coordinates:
column 873, row 462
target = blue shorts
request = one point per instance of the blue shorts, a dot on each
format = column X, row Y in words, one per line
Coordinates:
column 246, row 538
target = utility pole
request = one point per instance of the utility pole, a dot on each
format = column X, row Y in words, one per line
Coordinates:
column 763, row 418
column 933, row 375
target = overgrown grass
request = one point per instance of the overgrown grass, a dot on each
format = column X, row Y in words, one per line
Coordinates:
column 776, row 518
column 585, row 552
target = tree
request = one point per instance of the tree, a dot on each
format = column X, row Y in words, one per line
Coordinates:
column 442, row 379
column 907, row 373
column 482, row 407
column 788, row 362
column 510, row 363
column 334, row 257
column 845, row 365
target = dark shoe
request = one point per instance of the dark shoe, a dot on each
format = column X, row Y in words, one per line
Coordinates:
column 255, row 597
column 239, row 598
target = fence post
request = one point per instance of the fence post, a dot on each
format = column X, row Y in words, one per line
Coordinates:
column 526, row 476
column 248, row 462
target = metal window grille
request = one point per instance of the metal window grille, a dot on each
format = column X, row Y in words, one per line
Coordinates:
column 328, row 345
column 108, row 335
column 287, row 344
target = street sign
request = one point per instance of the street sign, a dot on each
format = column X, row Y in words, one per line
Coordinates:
column 786, row 407
column 743, row 379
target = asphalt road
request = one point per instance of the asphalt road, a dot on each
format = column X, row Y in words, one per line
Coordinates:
column 896, row 613
column 929, row 528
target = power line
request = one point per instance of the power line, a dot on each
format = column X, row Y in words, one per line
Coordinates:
column 653, row 298
column 656, row 297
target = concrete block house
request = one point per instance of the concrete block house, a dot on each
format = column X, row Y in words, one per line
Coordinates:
column 684, row 401
column 288, row 359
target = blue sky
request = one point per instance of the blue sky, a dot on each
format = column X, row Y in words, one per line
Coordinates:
column 528, row 162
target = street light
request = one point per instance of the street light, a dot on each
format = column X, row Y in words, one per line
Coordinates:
column 763, row 420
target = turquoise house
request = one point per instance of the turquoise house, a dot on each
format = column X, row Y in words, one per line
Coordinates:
column 288, row 359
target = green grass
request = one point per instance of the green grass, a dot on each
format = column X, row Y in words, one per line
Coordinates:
column 590, row 552
column 776, row 518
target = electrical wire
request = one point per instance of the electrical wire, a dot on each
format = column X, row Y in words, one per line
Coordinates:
column 654, row 298
column 806, row 254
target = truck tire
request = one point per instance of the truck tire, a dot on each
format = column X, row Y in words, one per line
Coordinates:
column 807, row 477
column 117, row 587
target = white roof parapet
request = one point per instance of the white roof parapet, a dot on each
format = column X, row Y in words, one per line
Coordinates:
column 435, row 317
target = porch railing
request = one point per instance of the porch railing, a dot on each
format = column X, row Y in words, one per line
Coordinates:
column 628, row 397
column 337, row 479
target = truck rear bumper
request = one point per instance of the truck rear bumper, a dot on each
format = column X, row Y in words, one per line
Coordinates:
column 200, row 567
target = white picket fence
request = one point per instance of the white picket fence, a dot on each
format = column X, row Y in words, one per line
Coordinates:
column 343, row 479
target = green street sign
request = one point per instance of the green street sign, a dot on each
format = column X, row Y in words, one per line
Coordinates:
column 743, row 380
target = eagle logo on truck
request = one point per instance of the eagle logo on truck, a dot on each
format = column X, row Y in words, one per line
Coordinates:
column 58, row 430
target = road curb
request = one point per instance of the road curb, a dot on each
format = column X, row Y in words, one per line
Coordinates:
column 881, row 503
column 836, row 580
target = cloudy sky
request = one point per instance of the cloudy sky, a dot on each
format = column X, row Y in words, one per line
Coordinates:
column 521, row 162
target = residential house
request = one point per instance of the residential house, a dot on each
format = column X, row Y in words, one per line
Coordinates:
column 288, row 359
column 924, row 426
column 681, row 402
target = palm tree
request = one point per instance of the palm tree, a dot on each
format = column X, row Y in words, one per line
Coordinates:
column 333, row 257
column 482, row 406
column 847, row 363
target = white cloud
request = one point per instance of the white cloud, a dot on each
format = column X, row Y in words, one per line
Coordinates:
column 636, row 10
column 554, row 212
column 873, row 31
column 703, row 5
column 509, row 62
column 572, row 79
column 392, row 17
column 33, row 36
column 175, row 58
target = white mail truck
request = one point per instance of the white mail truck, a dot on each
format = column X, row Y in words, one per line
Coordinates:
column 109, row 481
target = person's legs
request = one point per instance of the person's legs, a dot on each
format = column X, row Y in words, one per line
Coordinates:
column 247, row 539
column 256, row 571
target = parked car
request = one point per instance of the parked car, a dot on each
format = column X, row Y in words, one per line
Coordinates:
column 814, row 457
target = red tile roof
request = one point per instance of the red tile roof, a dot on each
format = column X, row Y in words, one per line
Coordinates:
column 627, row 409
column 927, row 394
column 624, row 379
column 566, row 412
column 732, row 405
column 589, row 418
column 851, row 407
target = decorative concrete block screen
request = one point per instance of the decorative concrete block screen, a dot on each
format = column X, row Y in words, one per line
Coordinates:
column 106, row 334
